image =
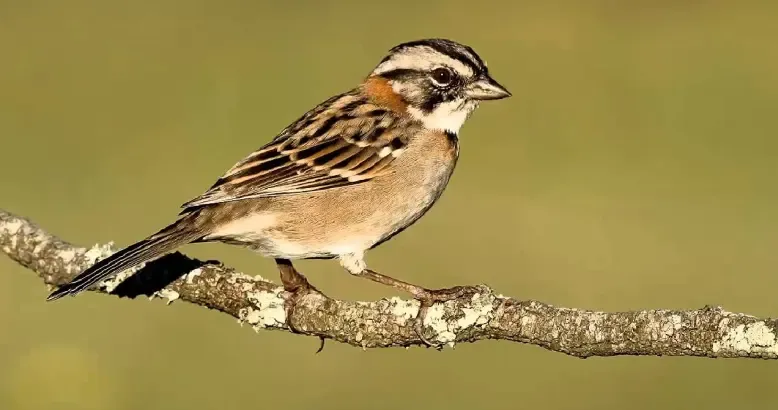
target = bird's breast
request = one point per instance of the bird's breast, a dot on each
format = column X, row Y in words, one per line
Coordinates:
column 418, row 179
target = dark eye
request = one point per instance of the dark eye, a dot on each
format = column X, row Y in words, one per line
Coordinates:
column 442, row 76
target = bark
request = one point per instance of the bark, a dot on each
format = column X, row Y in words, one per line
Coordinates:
column 483, row 314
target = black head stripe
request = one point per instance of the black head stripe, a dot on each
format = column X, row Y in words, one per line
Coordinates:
column 401, row 73
column 450, row 48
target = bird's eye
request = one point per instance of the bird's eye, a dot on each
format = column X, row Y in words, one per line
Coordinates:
column 442, row 76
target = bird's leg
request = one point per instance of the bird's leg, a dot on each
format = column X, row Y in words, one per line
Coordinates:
column 427, row 297
column 296, row 284
column 430, row 296
column 290, row 277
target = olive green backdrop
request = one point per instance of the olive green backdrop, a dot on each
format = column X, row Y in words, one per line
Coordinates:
column 634, row 168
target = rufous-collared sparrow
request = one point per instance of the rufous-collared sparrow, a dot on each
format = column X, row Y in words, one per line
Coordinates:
column 348, row 175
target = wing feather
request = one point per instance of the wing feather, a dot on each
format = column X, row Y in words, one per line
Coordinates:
column 345, row 140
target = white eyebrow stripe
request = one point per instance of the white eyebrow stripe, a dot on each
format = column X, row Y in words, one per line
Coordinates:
column 424, row 59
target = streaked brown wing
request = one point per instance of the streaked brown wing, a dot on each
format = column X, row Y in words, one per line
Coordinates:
column 345, row 140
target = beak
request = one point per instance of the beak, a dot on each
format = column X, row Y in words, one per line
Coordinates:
column 486, row 89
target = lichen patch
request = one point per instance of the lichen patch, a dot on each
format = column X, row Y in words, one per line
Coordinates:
column 67, row 256
column 746, row 339
column 478, row 313
column 403, row 310
column 435, row 321
column 268, row 310
column 169, row 294
column 190, row 277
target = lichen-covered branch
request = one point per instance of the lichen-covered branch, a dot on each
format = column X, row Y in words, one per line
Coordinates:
column 708, row 332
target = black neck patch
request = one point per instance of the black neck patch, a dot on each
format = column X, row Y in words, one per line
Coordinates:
column 452, row 137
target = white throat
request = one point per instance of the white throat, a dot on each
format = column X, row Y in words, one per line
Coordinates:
column 448, row 116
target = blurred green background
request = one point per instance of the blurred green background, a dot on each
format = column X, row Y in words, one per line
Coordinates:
column 634, row 168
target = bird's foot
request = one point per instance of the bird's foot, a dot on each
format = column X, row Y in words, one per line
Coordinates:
column 292, row 298
column 428, row 297
column 296, row 287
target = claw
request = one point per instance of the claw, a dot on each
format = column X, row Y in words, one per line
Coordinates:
column 418, row 328
column 321, row 346
column 291, row 303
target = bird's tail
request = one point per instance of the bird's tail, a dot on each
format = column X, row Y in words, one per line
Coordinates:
column 168, row 239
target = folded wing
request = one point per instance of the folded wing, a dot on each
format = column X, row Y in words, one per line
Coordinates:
column 345, row 140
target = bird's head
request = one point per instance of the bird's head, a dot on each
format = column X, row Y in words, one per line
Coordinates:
column 439, row 82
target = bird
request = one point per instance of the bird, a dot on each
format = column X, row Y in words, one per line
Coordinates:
column 345, row 177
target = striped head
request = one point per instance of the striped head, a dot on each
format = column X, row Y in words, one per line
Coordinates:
column 439, row 81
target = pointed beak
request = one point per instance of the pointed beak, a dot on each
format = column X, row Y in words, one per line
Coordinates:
column 486, row 89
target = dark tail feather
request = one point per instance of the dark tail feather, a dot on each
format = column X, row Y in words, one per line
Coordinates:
column 177, row 234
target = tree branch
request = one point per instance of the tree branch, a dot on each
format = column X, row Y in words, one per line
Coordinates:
column 707, row 332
